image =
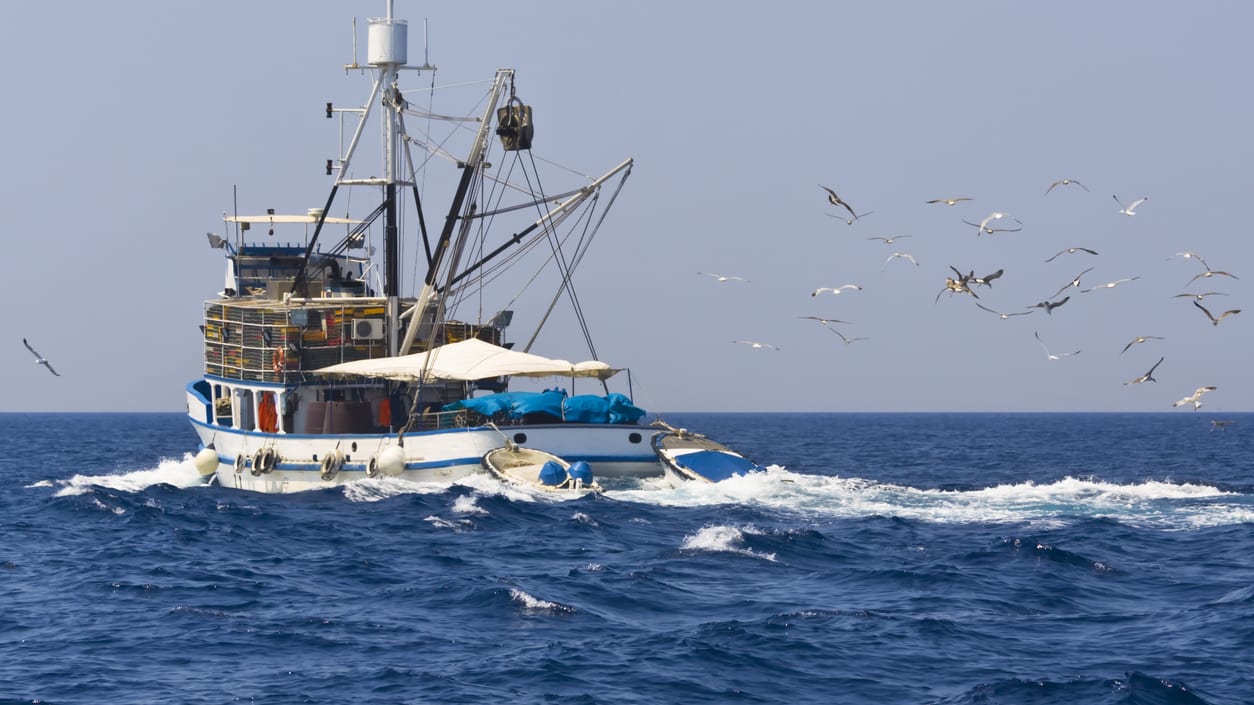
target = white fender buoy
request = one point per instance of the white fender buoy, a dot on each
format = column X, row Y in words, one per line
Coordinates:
column 391, row 461
column 206, row 461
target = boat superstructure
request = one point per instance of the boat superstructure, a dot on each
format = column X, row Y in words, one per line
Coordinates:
column 319, row 369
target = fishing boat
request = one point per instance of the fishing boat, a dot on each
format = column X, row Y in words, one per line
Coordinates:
column 692, row 457
column 377, row 340
column 532, row 467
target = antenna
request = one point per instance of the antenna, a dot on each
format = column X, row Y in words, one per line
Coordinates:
column 353, row 65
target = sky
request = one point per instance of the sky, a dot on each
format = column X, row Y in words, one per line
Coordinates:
column 132, row 125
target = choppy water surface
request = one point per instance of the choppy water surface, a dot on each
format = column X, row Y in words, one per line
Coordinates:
column 904, row 558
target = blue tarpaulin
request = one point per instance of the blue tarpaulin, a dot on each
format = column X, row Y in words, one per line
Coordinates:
column 583, row 408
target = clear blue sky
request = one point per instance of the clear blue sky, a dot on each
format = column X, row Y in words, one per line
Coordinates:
column 129, row 123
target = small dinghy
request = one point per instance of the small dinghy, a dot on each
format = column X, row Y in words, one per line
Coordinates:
column 540, row 469
column 692, row 457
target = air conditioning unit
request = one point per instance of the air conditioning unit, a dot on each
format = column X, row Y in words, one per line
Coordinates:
column 367, row 329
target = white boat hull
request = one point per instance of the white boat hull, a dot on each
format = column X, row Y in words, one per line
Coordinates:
column 442, row 456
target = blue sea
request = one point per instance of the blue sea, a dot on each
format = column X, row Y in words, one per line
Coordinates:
column 938, row 559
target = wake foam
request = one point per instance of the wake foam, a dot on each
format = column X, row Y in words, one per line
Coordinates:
column 177, row 472
column 1152, row 502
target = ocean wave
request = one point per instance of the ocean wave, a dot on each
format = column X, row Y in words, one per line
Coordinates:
column 723, row 539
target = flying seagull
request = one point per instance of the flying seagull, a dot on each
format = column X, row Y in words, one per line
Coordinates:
column 901, row 255
column 842, row 336
column 1130, row 209
column 825, row 321
column 1199, row 297
column 961, row 285
column 1148, row 376
column 851, row 221
column 887, row 240
column 947, row 201
column 1073, row 283
column 1211, row 273
column 1139, row 339
column 1050, row 355
column 1003, row 316
column 1071, row 251
column 983, row 227
column 1195, row 398
column 724, row 277
column 833, row 199
column 1109, row 285
column 1215, row 321
column 987, row 279
column 1049, row 307
column 756, row 344
column 40, row 359
column 835, row 289
column 1065, row 182
column 1191, row 255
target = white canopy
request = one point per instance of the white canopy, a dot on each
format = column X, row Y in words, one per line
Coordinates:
column 468, row 360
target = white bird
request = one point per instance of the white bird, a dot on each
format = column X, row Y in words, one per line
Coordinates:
column 825, row 321
column 1215, row 321
column 1065, row 182
column 40, row 359
column 850, row 221
column 1210, row 273
column 1199, row 297
column 1050, row 355
column 1139, row 339
column 842, row 336
column 948, row 201
column 1148, row 376
column 1109, row 285
column 756, row 344
column 1130, row 209
column 1003, row 316
column 835, row 289
column 833, row 199
column 724, row 277
column 888, row 240
column 1071, row 251
column 982, row 227
column 1195, row 398
column 1191, row 255
column 902, row 255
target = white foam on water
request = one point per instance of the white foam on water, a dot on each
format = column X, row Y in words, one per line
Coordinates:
column 530, row 603
column 1152, row 502
column 180, row 472
column 723, row 539
column 467, row 504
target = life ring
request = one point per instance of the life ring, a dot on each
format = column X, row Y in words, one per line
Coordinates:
column 331, row 464
column 264, row 461
column 372, row 469
column 278, row 361
column 241, row 461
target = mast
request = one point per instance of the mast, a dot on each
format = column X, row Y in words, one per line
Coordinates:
column 386, row 50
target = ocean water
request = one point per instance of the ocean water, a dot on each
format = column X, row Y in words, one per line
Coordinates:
column 882, row 558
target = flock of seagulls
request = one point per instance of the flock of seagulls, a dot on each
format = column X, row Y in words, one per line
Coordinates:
column 968, row 284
